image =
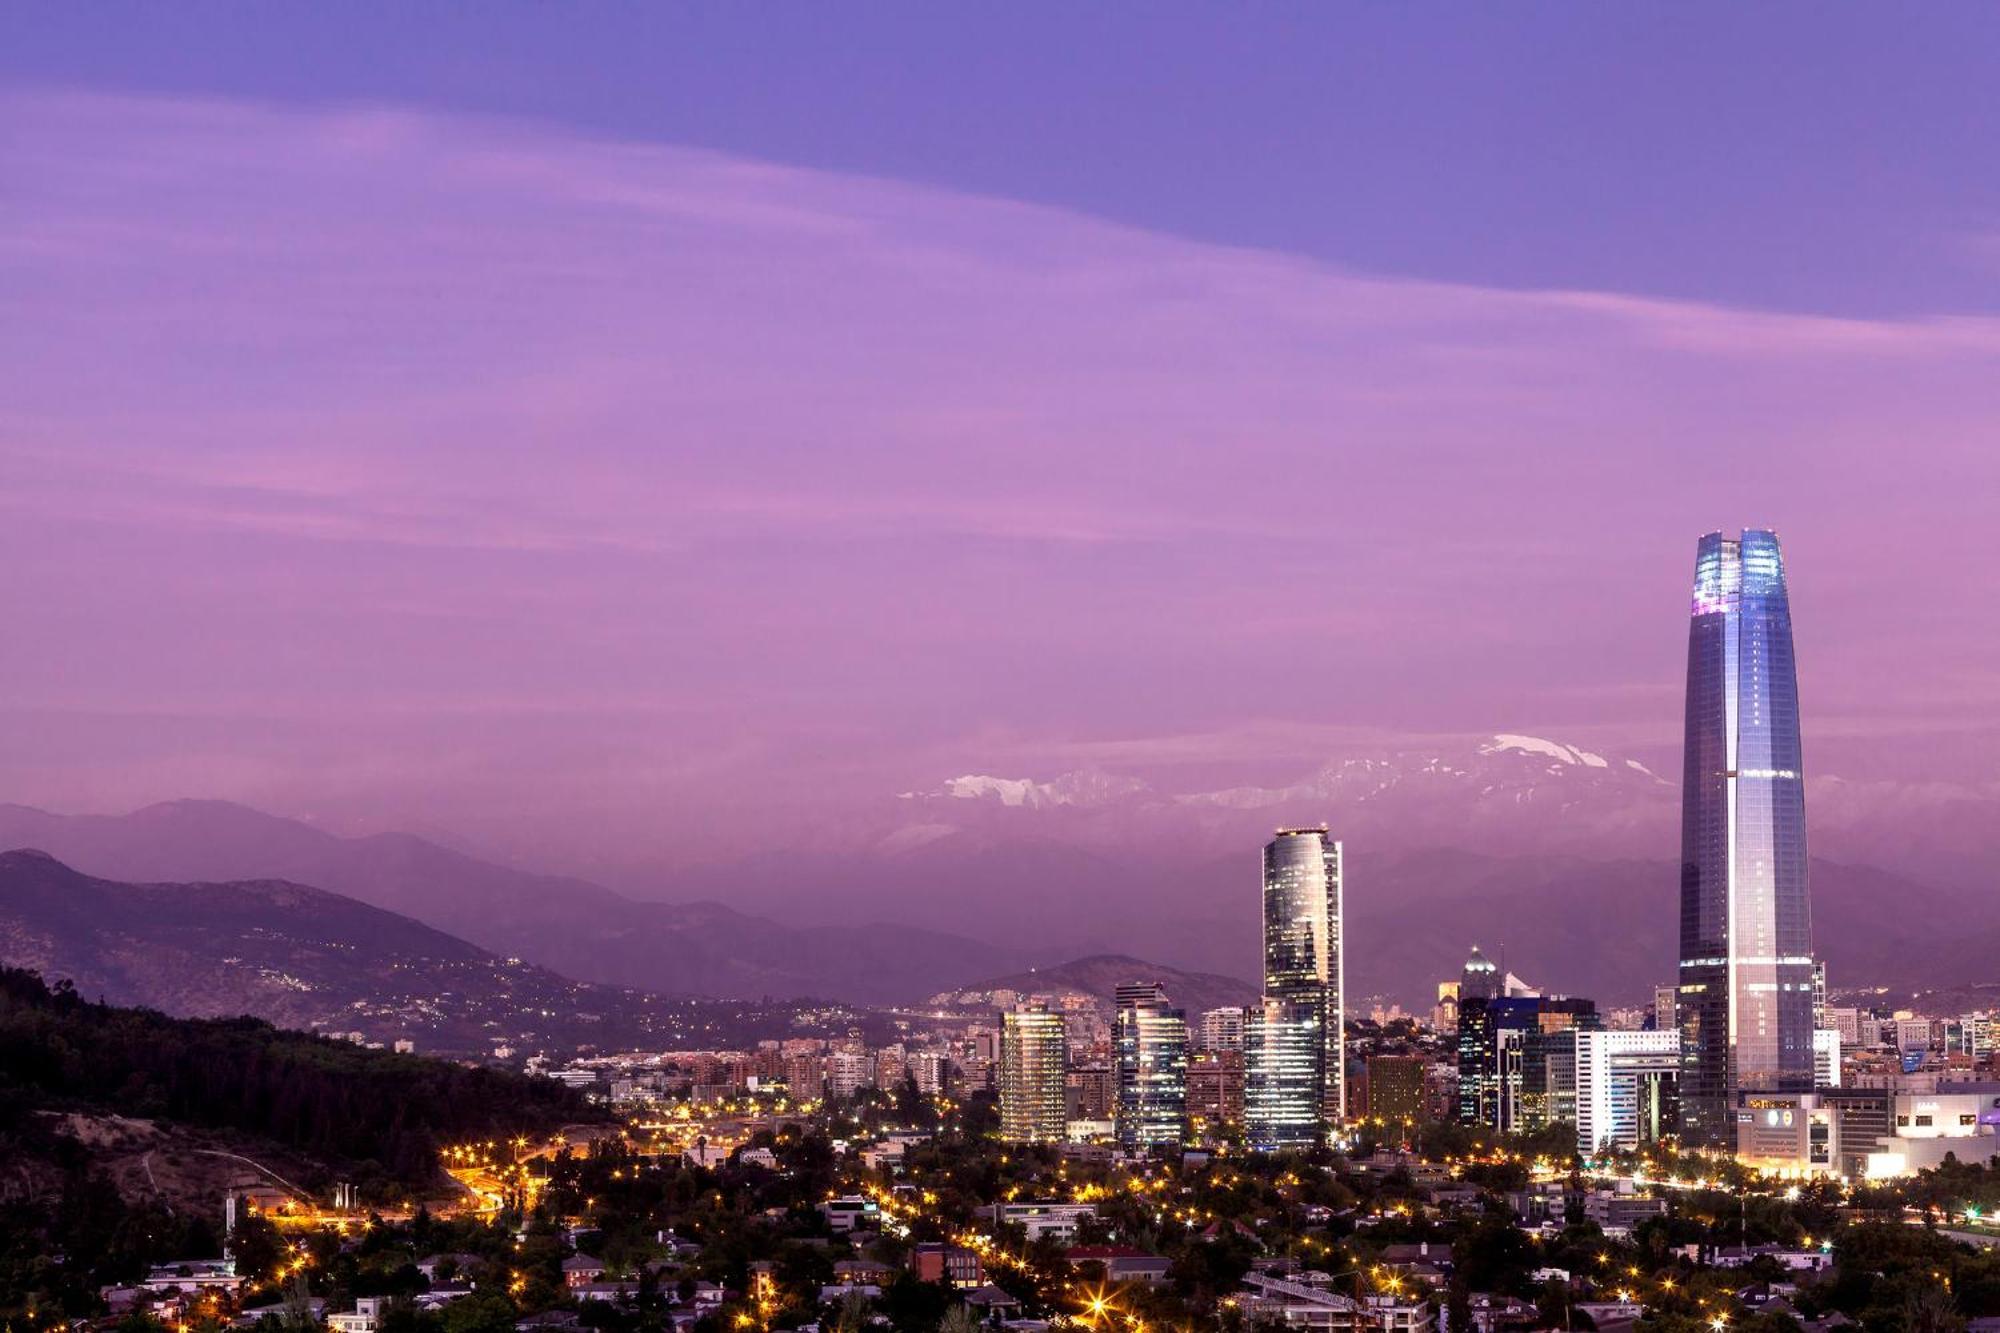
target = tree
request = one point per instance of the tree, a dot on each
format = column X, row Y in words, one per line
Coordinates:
column 853, row 1314
column 1458, row 1305
column 959, row 1319
column 297, row 1312
column 1929, row 1309
column 914, row 1306
column 481, row 1312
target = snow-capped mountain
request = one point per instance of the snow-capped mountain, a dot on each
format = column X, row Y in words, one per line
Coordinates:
column 1554, row 750
column 1516, row 769
column 1503, row 790
column 1080, row 788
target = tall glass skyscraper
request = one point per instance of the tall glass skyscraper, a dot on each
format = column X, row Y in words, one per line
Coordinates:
column 1746, row 969
column 1295, row 1045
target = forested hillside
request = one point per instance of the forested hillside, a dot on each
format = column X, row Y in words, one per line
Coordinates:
column 330, row 1100
column 80, row 1083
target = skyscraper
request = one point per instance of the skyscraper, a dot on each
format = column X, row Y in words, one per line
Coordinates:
column 1295, row 1044
column 1746, row 968
column 1481, row 978
column 1150, row 1038
column 1033, row 1053
column 1505, row 1045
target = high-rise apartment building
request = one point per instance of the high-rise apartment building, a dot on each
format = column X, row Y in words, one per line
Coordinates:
column 805, row 1076
column 1444, row 1014
column 1295, row 1044
column 1746, row 967
column 1150, row 1041
column 1221, row 1029
column 1826, row 1058
column 1092, row 1092
column 932, row 1071
column 1396, row 1092
column 1033, row 1054
column 1215, row 1092
column 848, row 1072
column 1666, row 1008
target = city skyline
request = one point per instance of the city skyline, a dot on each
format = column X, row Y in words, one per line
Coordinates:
column 895, row 668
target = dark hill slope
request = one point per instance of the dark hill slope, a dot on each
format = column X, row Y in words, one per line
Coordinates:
column 579, row 928
column 304, row 958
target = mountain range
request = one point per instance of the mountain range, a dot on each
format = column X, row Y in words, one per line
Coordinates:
column 575, row 927
column 305, row 958
column 1558, row 856
column 1562, row 857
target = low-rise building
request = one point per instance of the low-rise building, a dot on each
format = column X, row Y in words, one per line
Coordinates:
column 852, row 1212
column 1877, row 1132
column 194, row 1275
column 1055, row 1220
column 862, row 1273
column 1123, row 1263
column 581, row 1270
column 365, row 1317
column 952, row 1264
column 1618, row 1211
column 1784, row 1256
column 1309, row 1301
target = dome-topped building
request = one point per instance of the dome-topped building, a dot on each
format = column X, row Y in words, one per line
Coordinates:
column 1481, row 978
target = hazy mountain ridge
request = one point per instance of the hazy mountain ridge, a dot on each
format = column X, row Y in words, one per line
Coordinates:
column 305, row 958
column 293, row 955
column 1562, row 855
column 1506, row 792
column 576, row 927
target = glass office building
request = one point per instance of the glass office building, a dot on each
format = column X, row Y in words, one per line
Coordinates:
column 1284, row 1054
column 1746, row 969
column 1296, row 1045
column 1033, row 1058
column 1150, row 1038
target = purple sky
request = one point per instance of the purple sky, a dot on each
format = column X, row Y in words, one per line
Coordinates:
column 644, row 427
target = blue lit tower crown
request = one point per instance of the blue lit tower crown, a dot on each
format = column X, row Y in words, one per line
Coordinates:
column 1746, row 968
